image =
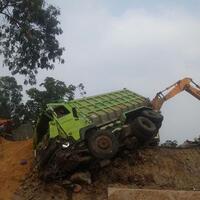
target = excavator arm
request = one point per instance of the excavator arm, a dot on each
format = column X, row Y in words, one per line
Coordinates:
column 186, row 84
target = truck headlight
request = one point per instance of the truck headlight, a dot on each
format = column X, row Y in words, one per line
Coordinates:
column 65, row 145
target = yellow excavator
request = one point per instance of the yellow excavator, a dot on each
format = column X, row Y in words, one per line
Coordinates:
column 186, row 84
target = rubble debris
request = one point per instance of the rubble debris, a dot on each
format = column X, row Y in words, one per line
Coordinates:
column 77, row 188
column 104, row 163
column 81, row 177
column 66, row 183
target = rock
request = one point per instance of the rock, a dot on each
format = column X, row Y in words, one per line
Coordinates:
column 105, row 163
column 77, row 188
column 24, row 187
column 117, row 162
column 81, row 177
column 66, row 183
column 23, row 162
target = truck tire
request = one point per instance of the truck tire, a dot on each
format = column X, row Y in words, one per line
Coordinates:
column 154, row 116
column 102, row 144
column 143, row 128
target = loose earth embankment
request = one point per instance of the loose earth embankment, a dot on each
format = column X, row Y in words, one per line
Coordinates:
column 155, row 168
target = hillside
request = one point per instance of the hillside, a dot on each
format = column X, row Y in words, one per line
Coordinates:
column 156, row 168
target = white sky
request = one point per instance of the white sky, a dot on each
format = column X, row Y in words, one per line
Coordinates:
column 136, row 45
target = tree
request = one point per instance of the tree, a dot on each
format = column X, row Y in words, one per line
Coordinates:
column 11, row 105
column 28, row 37
column 54, row 90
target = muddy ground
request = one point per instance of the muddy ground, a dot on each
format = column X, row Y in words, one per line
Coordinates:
column 12, row 169
column 155, row 168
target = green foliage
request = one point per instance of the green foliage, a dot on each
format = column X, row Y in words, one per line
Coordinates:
column 28, row 37
column 54, row 90
column 11, row 106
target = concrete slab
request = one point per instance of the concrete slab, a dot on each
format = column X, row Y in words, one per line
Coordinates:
column 148, row 194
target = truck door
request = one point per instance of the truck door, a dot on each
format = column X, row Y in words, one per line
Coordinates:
column 64, row 119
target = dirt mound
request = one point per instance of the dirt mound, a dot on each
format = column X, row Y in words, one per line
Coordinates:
column 15, row 162
column 157, row 168
column 149, row 194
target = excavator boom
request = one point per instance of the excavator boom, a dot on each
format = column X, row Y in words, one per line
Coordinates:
column 186, row 84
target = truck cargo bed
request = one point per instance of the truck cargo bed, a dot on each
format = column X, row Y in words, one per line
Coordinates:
column 108, row 107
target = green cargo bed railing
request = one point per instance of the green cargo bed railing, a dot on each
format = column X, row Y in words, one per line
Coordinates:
column 108, row 107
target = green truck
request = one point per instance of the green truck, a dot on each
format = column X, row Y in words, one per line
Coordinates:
column 72, row 134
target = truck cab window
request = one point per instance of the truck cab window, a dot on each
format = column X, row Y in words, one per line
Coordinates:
column 61, row 111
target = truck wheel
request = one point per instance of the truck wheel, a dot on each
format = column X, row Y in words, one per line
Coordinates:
column 102, row 144
column 143, row 128
column 154, row 116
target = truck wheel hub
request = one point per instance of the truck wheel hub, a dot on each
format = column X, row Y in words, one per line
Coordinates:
column 103, row 142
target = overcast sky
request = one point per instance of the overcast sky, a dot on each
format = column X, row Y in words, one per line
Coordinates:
column 141, row 45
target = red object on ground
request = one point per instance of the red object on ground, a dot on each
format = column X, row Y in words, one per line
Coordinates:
column 7, row 123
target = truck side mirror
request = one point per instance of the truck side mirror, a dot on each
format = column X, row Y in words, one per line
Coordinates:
column 75, row 114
